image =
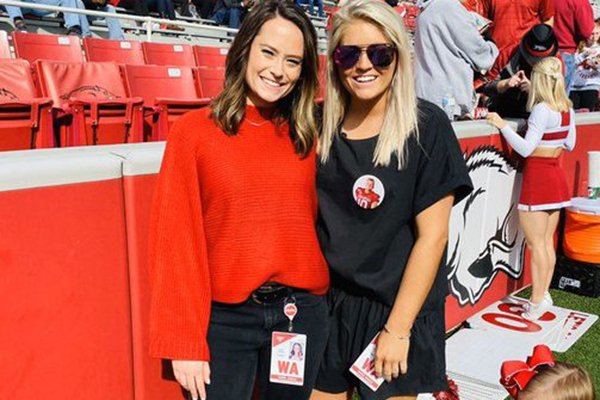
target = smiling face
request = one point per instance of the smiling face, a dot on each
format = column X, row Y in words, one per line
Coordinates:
column 364, row 82
column 275, row 62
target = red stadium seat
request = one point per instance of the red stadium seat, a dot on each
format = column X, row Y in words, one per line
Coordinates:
column 119, row 51
column 93, row 101
column 210, row 81
column 210, row 56
column 322, row 76
column 25, row 118
column 168, row 54
column 34, row 47
column 4, row 47
column 168, row 92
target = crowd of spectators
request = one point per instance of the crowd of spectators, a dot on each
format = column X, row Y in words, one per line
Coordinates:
column 486, row 49
column 479, row 53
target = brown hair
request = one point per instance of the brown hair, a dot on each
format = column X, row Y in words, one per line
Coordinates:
column 562, row 382
column 298, row 107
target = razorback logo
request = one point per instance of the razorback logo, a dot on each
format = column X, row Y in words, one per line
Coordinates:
column 485, row 238
column 95, row 91
column 5, row 93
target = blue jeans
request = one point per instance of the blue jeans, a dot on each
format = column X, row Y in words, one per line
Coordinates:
column 70, row 19
column 230, row 16
column 311, row 8
column 569, row 60
column 115, row 31
column 239, row 338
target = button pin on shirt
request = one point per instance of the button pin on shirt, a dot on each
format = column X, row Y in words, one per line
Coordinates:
column 368, row 192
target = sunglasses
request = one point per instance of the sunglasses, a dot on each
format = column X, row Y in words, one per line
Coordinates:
column 381, row 55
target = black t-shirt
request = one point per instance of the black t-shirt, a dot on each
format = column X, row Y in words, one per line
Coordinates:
column 367, row 214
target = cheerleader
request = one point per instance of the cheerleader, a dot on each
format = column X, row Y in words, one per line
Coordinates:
column 551, row 128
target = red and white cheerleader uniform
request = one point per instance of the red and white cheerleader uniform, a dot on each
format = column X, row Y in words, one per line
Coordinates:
column 544, row 182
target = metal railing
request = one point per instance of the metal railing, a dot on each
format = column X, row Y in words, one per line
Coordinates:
column 143, row 19
column 147, row 21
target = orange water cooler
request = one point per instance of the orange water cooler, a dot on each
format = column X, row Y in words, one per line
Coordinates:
column 578, row 271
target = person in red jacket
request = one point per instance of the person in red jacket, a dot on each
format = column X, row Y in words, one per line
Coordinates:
column 236, row 269
column 512, row 19
column 573, row 22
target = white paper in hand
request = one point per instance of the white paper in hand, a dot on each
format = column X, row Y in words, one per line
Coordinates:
column 364, row 366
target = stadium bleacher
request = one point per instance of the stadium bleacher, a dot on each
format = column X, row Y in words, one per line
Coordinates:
column 67, row 91
column 168, row 93
column 91, row 102
column 168, row 54
column 25, row 118
column 119, row 51
column 47, row 47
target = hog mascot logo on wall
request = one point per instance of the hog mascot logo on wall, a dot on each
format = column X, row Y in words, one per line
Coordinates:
column 484, row 235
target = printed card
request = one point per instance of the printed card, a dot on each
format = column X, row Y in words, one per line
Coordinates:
column 364, row 366
column 287, row 358
column 575, row 325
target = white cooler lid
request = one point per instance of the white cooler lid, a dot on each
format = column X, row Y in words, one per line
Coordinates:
column 582, row 205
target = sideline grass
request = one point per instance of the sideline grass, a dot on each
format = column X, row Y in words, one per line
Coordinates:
column 586, row 351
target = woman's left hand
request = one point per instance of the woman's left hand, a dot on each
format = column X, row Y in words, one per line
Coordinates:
column 391, row 356
column 495, row 120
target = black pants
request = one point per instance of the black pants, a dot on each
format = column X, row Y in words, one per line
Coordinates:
column 143, row 7
column 239, row 337
column 584, row 99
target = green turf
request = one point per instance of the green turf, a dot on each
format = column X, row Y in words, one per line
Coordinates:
column 586, row 351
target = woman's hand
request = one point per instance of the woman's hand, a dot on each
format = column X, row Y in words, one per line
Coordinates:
column 495, row 120
column 391, row 356
column 525, row 85
column 192, row 376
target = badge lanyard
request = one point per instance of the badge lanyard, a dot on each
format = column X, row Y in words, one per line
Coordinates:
column 290, row 310
column 288, row 350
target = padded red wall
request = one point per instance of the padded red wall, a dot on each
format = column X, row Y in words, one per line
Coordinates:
column 152, row 381
column 65, row 330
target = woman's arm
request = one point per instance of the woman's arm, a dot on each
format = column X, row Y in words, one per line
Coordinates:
column 421, row 270
column 535, row 130
column 178, row 262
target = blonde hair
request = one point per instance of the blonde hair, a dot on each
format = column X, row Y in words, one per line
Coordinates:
column 548, row 85
column 562, row 382
column 400, row 121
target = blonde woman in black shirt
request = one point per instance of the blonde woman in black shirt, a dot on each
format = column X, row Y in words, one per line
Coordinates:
column 385, row 260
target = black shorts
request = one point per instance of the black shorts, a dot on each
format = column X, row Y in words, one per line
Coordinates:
column 354, row 321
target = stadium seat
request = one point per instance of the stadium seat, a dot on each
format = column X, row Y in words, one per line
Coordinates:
column 119, row 51
column 4, row 47
column 25, row 118
column 210, row 81
column 93, row 103
column 322, row 76
column 210, row 56
column 168, row 93
column 32, row 47
column 168, row 54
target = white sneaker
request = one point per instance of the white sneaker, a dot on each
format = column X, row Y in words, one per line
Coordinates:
column 548, row 299
column 536, row 310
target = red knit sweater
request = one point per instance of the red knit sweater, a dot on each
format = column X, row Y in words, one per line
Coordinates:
column 230, row 213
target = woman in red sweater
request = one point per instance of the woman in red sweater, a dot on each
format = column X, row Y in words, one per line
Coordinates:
column 237, row 275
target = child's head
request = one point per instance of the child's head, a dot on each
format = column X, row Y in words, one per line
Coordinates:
column 562, row 382
column 548, row 85
column 540, row 377
column 595, row 36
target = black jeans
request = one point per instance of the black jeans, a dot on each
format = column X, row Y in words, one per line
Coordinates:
column 584, row 99
column 239, row 337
